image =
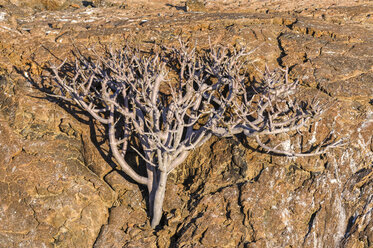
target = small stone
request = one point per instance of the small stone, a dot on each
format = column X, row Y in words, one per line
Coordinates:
column 194, row 6
column 75, row 6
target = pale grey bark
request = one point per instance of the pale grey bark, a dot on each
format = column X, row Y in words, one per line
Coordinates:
column 159, row 198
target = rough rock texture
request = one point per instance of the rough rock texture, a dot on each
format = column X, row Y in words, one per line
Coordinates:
column 48, row 196
column 58, row 183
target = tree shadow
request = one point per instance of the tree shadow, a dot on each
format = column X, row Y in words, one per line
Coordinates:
column 98, row 133
column 183, row 8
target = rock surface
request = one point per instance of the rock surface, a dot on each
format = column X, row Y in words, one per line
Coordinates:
column 60, row 188
column 49, row 197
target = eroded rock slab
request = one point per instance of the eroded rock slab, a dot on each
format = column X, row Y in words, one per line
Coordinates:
column 49, row 198
column 57, row 183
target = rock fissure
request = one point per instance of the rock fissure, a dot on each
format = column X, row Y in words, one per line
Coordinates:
column 283, row 53
column 311, row 223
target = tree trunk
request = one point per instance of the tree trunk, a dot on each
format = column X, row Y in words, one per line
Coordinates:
column 159, row 198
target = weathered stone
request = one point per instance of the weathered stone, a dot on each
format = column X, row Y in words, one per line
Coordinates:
column 57, row 177
column 48, row 197
column 194, row 5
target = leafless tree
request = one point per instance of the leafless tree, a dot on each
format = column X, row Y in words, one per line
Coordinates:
column 267, row 107
column 173, row 100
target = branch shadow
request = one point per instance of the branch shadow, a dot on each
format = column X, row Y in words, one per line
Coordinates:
column 183, row 8
column 98, row 136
